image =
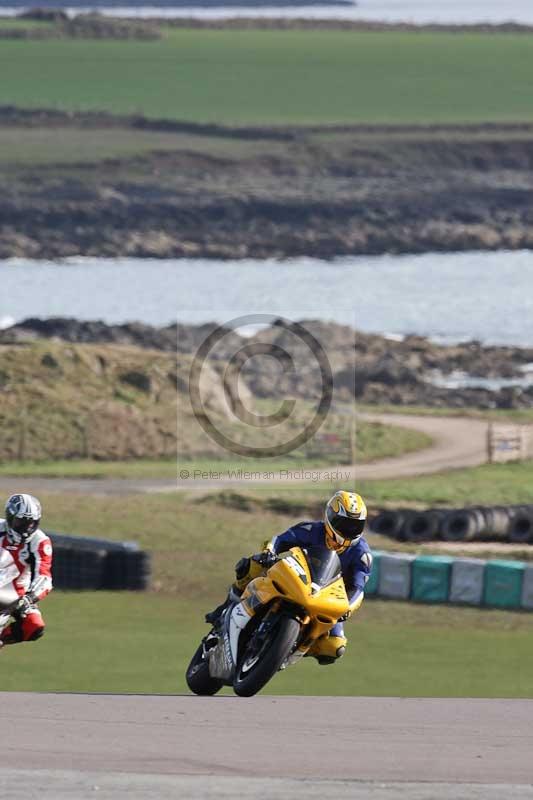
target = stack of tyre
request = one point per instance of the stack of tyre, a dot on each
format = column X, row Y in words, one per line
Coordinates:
column 476, row 523
column 84, row 563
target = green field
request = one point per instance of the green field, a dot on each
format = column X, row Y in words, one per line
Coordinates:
column 260, row 76
column 122, row 642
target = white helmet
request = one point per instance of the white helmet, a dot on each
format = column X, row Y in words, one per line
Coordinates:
column 23, row 515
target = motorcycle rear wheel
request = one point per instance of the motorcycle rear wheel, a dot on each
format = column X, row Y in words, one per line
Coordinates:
column 251, row 679
column 198, row 678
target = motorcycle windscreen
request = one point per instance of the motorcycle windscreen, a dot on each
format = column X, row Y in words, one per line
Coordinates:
column 324, row 565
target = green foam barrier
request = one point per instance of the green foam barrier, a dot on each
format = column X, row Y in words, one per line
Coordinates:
column 431, row 579
column 503, row 584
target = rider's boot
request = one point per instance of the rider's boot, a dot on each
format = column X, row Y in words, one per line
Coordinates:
column 233, row 597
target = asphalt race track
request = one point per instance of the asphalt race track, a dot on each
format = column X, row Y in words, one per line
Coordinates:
column 109, row 747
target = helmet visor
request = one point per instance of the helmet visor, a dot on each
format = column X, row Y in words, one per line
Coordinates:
column 23, row 525
column 346, row 528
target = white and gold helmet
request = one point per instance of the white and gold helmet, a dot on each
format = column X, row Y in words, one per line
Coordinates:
column 344, row 520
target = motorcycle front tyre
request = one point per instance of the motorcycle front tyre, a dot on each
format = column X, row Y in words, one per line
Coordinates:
column 284, row 638
column 198, row 678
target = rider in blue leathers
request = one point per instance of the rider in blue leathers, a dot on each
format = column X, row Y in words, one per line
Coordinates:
column 341, row 531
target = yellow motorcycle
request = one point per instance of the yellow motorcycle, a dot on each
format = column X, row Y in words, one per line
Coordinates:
column 273, row 624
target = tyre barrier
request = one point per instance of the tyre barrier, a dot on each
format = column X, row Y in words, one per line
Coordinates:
column 497, row 522
column 391, row 523
column 85, row 563
column 521, row 528
column 463, row 525
column 458, row 581
column 476, row 523
column 75, row 568
column 422, row 526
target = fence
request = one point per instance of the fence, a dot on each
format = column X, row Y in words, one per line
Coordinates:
column 459, row 581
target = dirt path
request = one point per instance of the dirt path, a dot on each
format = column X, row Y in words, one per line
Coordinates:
column 265, row 747
column 457, row 442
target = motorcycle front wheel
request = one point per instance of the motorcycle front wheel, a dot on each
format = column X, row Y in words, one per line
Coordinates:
column 262, row 659
column 197, row 676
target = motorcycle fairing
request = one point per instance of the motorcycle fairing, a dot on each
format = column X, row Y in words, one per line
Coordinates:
column 290, row 579
column 238, row 620
column 223, row 657
column 284, row 582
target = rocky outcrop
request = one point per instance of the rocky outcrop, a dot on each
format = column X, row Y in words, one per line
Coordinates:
column 371, row 368
column 67, row 329
column 183, row 338
column 364, row 190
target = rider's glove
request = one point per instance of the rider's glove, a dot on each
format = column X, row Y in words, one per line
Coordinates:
column 24, row 604
column 267, row 558
column 242, row 568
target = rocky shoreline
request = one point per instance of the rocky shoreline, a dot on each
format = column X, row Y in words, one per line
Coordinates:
column 80, row 23
column 370, row 368
column 231, row 193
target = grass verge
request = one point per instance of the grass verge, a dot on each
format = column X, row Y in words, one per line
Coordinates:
column 490, row 484
column 128, row 642
column 123, row 642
